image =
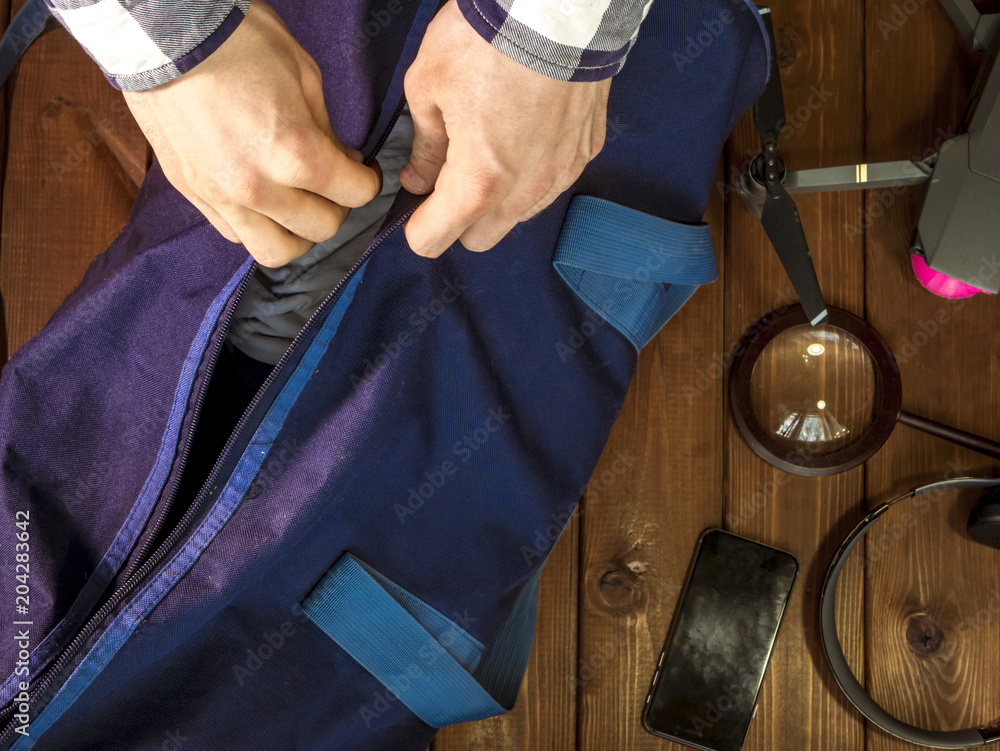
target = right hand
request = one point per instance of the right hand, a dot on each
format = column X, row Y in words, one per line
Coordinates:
column 246, row 137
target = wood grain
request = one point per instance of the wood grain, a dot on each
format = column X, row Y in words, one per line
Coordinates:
column 4, row 116
column 933, row 643
column 75, row 159
column 820, row 48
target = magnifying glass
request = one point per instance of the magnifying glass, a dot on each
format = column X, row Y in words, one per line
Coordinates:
column 818, row 400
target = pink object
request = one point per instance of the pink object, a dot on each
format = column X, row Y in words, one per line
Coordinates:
column 940, row 284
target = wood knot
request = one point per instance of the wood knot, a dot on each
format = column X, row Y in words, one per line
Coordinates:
column 923, row 635
column 53, row 107
column 786, row 41
column 620, row 587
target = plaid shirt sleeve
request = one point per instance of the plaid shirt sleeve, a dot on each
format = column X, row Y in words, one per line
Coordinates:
column 140, row 44
column 144, row 43
column 570, row 40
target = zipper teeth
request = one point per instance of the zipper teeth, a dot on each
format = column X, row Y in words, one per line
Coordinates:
column 130, row 584
column 271, row 378
column 189, row 439
column 385, row 134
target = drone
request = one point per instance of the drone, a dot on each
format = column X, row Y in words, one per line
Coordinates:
column 959, row 223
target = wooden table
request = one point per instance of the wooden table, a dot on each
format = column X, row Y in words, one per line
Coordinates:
column 864, row 81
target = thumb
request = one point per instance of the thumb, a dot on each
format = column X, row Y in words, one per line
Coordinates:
column 430, row 146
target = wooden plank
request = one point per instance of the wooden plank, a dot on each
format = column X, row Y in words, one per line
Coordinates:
column 4, row 104
column 657, row 486
column 933, row 644
column 820, row 47
column 74, row 162
column 544, row 716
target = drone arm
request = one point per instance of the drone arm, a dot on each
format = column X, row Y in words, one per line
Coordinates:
column 854, row 176
column 986, row 31
column 977, row 29
column 846, row 177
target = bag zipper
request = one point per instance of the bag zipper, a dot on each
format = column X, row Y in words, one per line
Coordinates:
column 175, row 481
column 168, row 501
column 141, row 568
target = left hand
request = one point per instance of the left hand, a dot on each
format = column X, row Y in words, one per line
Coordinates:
column 496, row 141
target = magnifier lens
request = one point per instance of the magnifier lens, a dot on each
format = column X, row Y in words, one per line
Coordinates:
column 813, row 389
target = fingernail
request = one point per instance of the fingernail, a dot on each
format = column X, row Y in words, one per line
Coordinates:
column 412, row 180
column 356, row 155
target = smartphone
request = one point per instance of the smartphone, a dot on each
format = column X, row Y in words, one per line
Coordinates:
column 704, row 691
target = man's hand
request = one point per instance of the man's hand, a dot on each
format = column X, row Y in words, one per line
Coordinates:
column 497, row 141
column 246, row 137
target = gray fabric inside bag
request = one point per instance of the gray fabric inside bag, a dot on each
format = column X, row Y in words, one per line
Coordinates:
column 278, row 301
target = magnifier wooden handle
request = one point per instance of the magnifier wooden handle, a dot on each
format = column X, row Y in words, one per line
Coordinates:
column 967, row 440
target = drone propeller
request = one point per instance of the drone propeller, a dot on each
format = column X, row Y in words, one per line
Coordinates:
column 779, row 215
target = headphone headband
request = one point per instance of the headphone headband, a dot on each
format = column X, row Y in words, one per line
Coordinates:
column 969, row 738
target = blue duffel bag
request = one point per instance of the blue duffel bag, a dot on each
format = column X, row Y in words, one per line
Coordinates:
column 331, row 554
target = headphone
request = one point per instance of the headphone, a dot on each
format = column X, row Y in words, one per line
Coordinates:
column 983, row 527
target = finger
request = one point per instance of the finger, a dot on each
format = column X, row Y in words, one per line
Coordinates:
column 319, row 163
column 430, row 148
column 578, row 163
column 326, row 166
column 599, row 131
column 321, row 116
column 487, row 232
column 548, row 199
column 539, row 207
column 458, row 202
column 268, row 242
column 220, row 224
column 494, row 226
column 308, row 215
column 302, row 213
column 214, row 217
column 312, row 90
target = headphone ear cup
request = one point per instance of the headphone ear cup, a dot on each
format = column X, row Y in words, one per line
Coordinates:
column 984, row 521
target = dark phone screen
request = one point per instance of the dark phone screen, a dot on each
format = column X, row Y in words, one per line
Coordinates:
column 720, row 643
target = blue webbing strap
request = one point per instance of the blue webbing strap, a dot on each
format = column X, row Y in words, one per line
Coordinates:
column 634, row 269
column 33, row 20
column 434, row 667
